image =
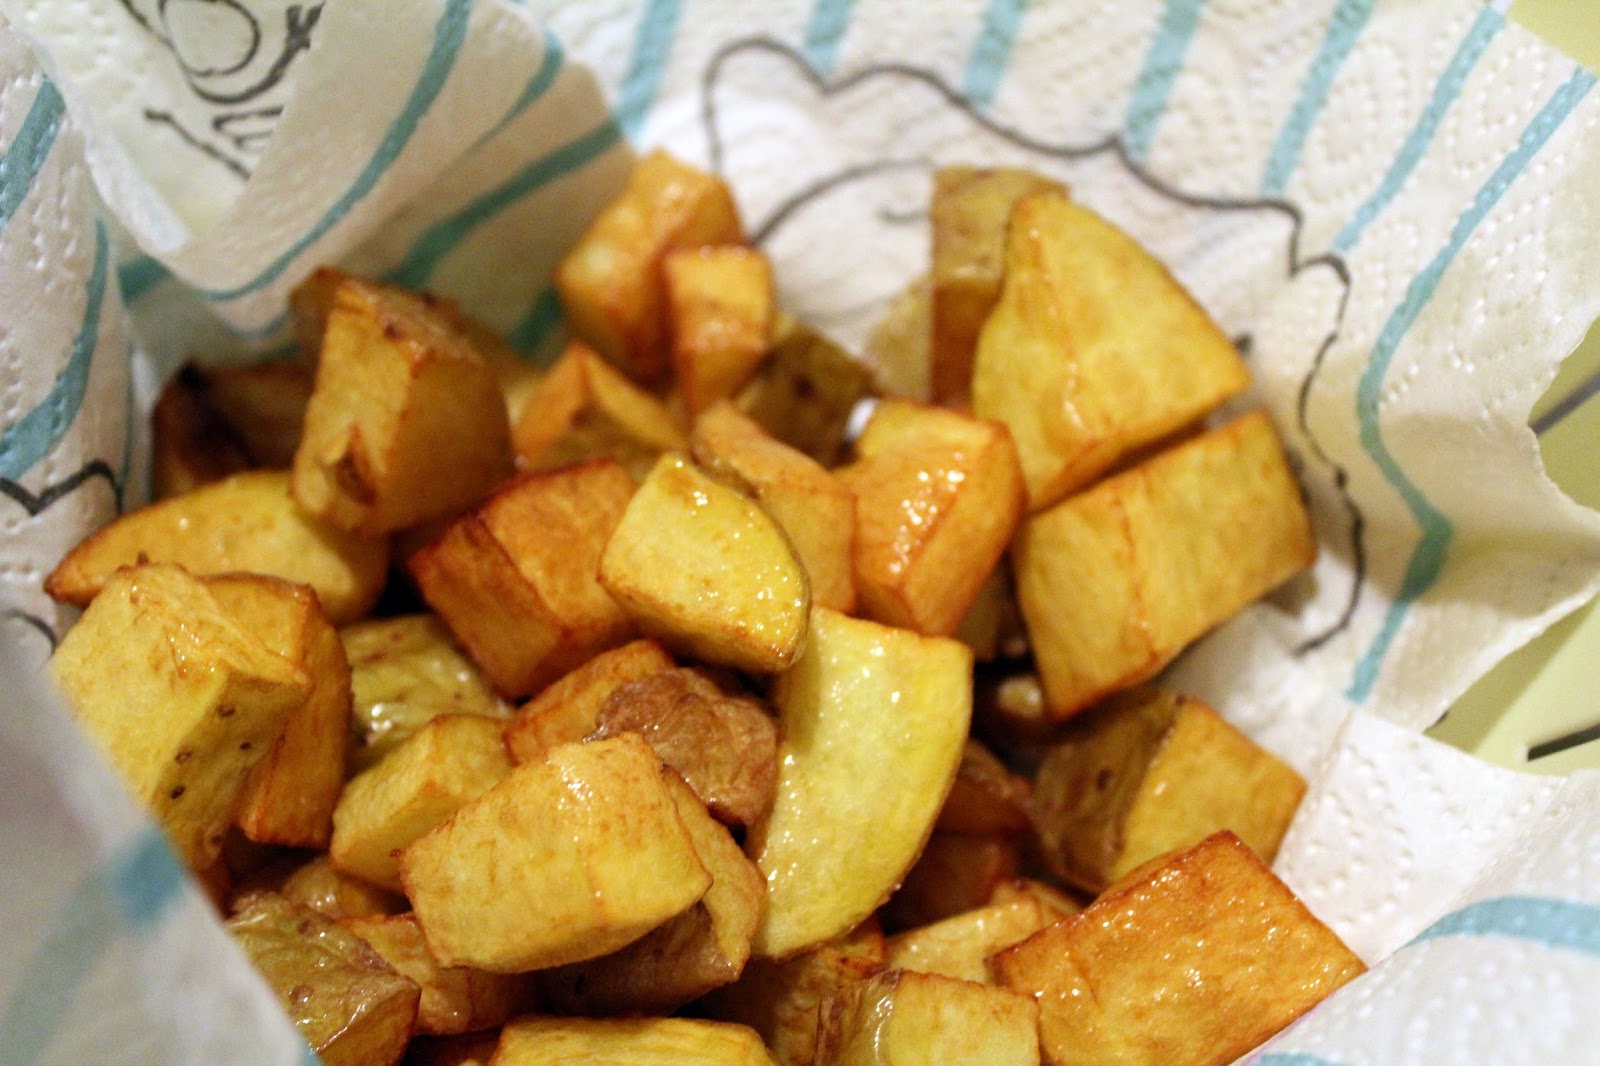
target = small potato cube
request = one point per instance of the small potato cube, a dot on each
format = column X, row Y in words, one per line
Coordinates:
column 1194, row 960
column 536, row 1041
column 565, row 860
column 960, row 946
column 446, row 764
column 180, row 697
column 906, row 1016
column 610, row 282
column 956, row 872
column 190, row 444
column 1093, row 350
column 986, row 799
column 455, row 999
column 899, row 348
column 348, row 1004
column 264, row 407
column 968, row 216
column 815, row 511
column 567, row 710
column 515, row 579
column 245, row 523
column 702, row 567
column 720, row 306
column 1116, row 581
column 406, row 422
column 938, row 496
column 334, row 895
column 805, row 390
column 585, row 409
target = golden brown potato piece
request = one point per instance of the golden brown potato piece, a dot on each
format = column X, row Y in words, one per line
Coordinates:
column 536, row 1041
column 938, row 495
column 245, row 523
column 472, row 1049
column 585, row 409
column 405, row 672
column 899, row 349
column 815, row 511
column 986, row 799
column 610, row 282
column 317, row 885
column 1194, row 960
column 455, row 999
column 956, row 872
column 1094, row 350
column 183, row 698
column 873, row 720
column 1116, row 581
column 289, row 796
column 515, row 579
column 309, row 305
column 968, row 216
column 264, row 406
column 960, row 946
column 702, row 567
column 190, row 444
column 348, row 1004
column 1152, row 772
column 567, row 859
column 725, row 746
column 905, row 1016
column 720, row 307
column 567, row 710
column 805, row 390
column 406, row 422
column 440, row 768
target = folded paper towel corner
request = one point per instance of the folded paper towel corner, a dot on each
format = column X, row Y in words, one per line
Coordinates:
column 1384, row 202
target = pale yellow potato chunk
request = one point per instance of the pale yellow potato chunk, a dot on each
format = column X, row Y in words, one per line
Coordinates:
column 455, row 999
column 720, row 307
column 336, row 895
column 901, row 1016
column 536, row 1041
column 568, row 709
column 960, row 946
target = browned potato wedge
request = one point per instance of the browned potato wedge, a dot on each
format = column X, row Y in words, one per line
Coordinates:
column 701, row 566
column 264, row 406
column 938, row 495
column 190, row 444
column 960, row 946
column 956, row 872
column 815, row 511
column 720, row 307
column 986, row 799
column 567, row 859
column 406, row 422
column 348, row 1004
column 1093, row 350
column 805, row 390
column 180, row 694
column 440, row 768
column 610, row 282
column 536, row 1041
column 245, row 523
column 317, row 885
column 899, row 350
column 905, row 1016
column 514, row 580
column 472, row 1049
column 455, row 999
column 873, row 720
column 567, row 710
column 725, row 746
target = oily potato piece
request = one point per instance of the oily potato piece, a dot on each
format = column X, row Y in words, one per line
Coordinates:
column 406, row 422
column 960, row 946
column 986, row 799
column 567, row 710
column 566, row 859
column 455, row 999
column 899, row 349
column 610, row 282
column 992, row 626
column 906, row 1016
column 263, row 406
column 181, row 696
column 190, row 444
column 804, row 391
column 1056, row 903
column 720, row 308
column 317, row 885
column 956, row 872
column 515, row 580
column 536, row 1041
column 938, row 495
column 700, row 566
column 246, row 523
column 1116, row 581
column 1193, row 960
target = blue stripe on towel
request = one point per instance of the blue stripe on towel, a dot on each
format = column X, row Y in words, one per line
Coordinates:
column 1344, row 29
column 1163, row 61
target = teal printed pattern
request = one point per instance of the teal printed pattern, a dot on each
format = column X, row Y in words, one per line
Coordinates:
column 1344, row 28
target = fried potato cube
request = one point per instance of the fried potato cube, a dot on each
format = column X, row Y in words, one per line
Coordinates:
column 515, row 580
column 724, row 745
column 1148, row 773
column 960, row 946
column 899, row 348
column 406, row 422
column 348, row 1004
column 1093, row 350
column 873, row 720
column 781, row 1000
column 720, row 308
column 968, row 216
column 815, row 511
column 956, row 872
column 682, row 959
column 906, row 1016
column 610, row 282
column 289, row 796
column 536, row 1041
column 264, row 407
column 938, row 495
column 440, row 768
column 332, row 894
column 585, row 409
column 702, row 567
column 1194, row 960
column 566, row 859
column 1116, row 581
column 182, row 698
column 567, row 710
column 987, row 799
column 245, row 523
column 190, row 444
column 804, row 391
column 455, row 999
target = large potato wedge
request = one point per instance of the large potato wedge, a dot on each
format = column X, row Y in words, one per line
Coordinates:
column 567, row 710
column 720, row 307
column 536, row 1041
column 455, row 999
column 906, row 1016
